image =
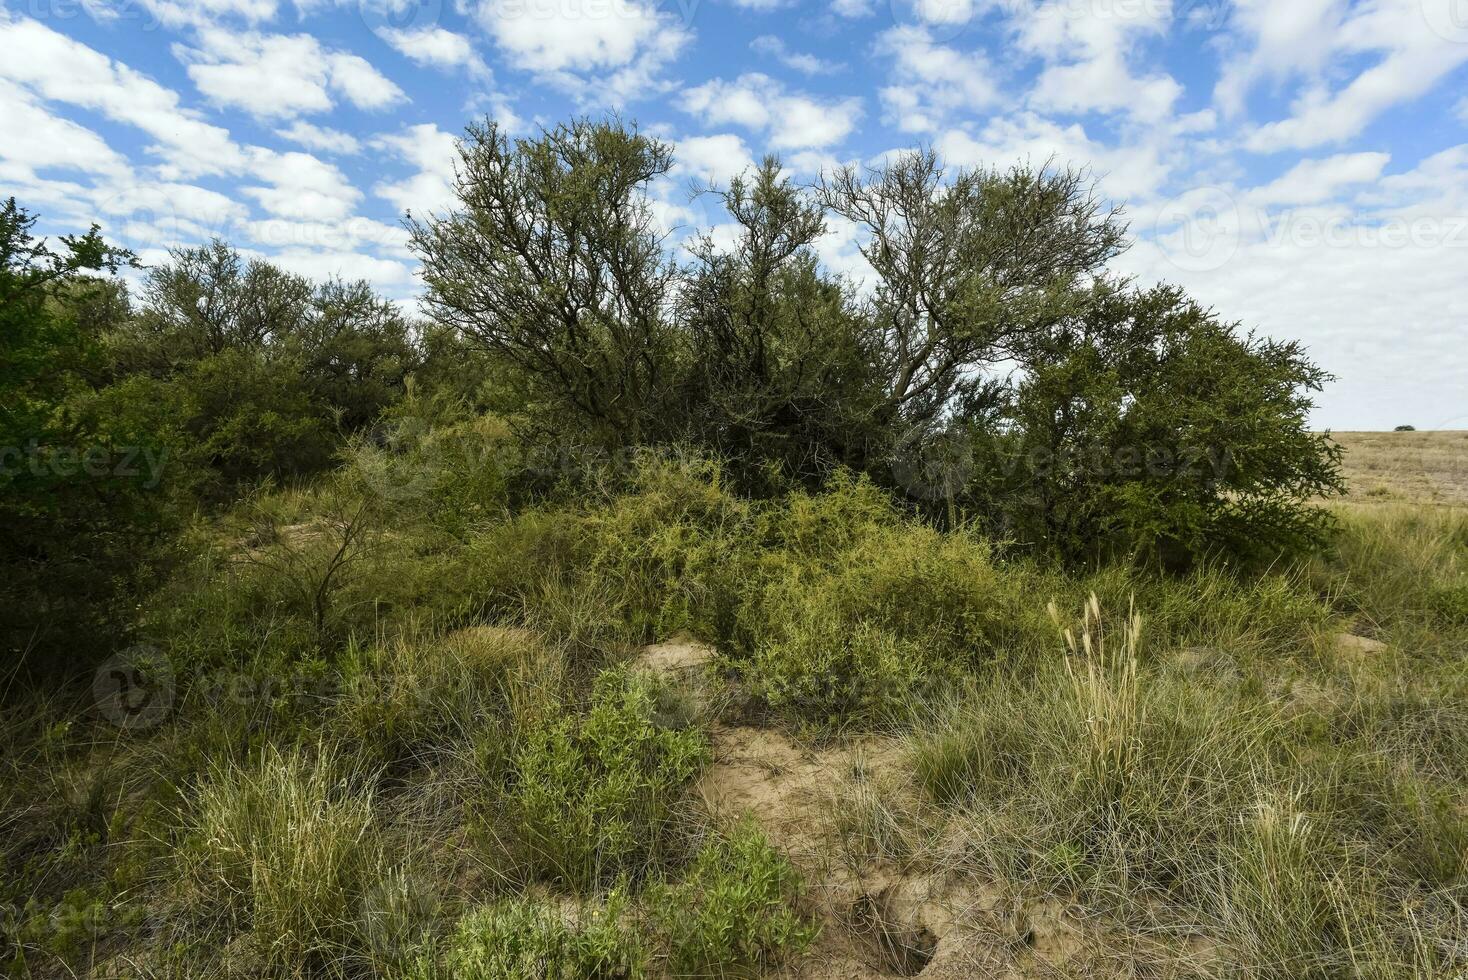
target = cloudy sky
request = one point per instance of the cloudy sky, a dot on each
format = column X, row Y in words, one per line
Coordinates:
column 1301, row 165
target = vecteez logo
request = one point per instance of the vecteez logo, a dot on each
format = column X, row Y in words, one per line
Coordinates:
column 1200, row 230
column 134, row 689
column 1448, row 19
column 400, row 16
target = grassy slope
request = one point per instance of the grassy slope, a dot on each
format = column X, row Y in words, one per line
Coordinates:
column 443, row 769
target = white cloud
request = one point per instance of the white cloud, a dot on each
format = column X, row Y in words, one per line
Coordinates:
column 321, row 264
column 363, row 85
column 712, row 159
column 434, row 152
column 930, row 81
column 1087, row 49
column 570, row 36
column 791, row 121
column 1125, row 173
column 352, row 234
column 62, row 70
column 435, row 47
column 161, row 215
column 1373, row 287
column 319, row 138
column 1313, row 181
column 1408, row 54
column 281, row 75
column 197, row 13
column 39, row 140
column 1276, row 40
column 807, row 64
column 301, row 186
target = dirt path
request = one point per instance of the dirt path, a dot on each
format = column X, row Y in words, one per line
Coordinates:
column 878, row 920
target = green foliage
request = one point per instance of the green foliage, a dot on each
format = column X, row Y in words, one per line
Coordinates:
column 1136, row 424
column 1153, row 429
column 828, row 673
column 81, row 466
column 781, row 378
column 265, row 368
column 598, row 796
column 734, row 913
column 430, row 460
column 521, row 939
column 555, row 264
column 850, row 610
column 415, row 699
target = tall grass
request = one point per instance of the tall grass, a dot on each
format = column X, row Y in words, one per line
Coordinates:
column 290, row 854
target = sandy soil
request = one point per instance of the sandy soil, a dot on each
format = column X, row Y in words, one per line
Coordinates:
column 878, row 920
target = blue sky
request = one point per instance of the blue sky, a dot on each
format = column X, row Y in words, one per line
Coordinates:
column 1301, row 165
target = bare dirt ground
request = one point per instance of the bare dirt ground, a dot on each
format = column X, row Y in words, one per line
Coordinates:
column 1398, row 467
column 879, row 918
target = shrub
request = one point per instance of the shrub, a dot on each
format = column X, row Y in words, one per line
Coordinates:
column 597, row 795
column 520, row 939
column 943, row 592
column 676, row 516
column 733, row 913
column 1148, row 427
column 431, row 460
column 1450, row 603
column 861, row 609
column 828, row 673
column 412, row 697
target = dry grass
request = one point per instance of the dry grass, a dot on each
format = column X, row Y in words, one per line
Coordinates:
column 1393, row 467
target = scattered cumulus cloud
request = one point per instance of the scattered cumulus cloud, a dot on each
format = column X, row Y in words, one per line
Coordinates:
column 789, row 120
column 320, row 138
column 770, row 46
column 282, row 75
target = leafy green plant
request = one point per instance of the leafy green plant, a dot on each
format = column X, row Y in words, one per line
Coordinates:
column 827, row 673
column 597, row 796
column 734, row 913
column 521, row 939
column 414, row 699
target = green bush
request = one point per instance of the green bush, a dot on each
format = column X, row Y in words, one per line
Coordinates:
column 828, row 673
column 1450, row 603
column 520, row 939
column 414, row 699
column 597, row 796
column 734, row 912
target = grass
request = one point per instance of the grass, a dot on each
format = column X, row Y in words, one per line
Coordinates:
column 290, row 856
column 443, row 764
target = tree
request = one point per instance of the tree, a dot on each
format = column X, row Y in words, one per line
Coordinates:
column 993, row 333
column 268, row 370
column 781, row 370
column 553, row 261
column 1148, row 427
column 969, row 270
column 82, row 495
